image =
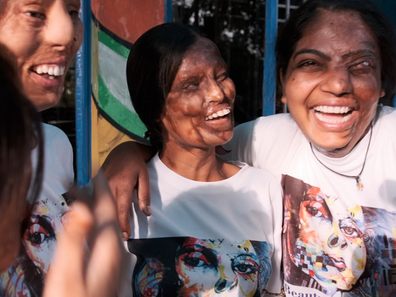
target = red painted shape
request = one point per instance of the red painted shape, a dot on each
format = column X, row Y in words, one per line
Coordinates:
column 129, row 19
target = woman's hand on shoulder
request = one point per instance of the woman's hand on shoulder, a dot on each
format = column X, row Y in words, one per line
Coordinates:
column 125, row 169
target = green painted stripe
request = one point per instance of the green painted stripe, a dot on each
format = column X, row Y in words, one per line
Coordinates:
column 118, row 112
column 114, row 45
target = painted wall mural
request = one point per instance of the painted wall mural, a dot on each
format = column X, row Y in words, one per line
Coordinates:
column 116, row 24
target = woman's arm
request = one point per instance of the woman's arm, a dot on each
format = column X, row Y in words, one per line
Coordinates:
column 125, row 169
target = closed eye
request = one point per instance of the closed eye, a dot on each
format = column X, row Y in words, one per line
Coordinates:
column 222, row 76
column 309, row 63
column 74, row 13
column 36, row 14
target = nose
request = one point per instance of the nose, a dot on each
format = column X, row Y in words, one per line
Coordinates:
column 59, row 26
column 227, row 281
column 215, row 92
column 337, row 240
column 338, row 81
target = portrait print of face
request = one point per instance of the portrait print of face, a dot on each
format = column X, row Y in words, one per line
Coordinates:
column 323, row 238
column 39, row 242
column 189, row 266
column 44, row 225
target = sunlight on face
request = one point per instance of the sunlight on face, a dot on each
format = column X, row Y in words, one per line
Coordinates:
column 44, row 37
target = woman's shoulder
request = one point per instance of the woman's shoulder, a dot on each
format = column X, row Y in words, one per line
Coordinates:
column 385, row 118
column 254, row 174
column 284, row 119
column 274, row 128
column 54, row 134
column 58, row 149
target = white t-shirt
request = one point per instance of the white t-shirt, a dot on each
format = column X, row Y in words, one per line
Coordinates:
column 337, row 239
column 26, row 275
column 221, row 237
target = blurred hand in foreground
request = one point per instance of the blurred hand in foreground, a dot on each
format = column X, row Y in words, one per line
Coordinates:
column 89, row 257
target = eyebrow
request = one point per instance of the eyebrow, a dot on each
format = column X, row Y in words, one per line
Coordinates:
column 326, row 57
column 361, row 51
column 311, row 51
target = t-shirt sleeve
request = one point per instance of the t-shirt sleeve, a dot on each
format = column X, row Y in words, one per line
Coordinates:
column 64, row 151
column 240, row 146
column 275, row 282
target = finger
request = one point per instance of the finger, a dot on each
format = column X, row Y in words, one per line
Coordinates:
column 144, row 192
column 124, row 204
column 104, row 209
column 65, row 275
column 122, row 199
column 105, row 265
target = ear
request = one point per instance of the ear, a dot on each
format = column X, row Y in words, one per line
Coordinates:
column 162, row 115
column 283, row 99
column 382, row 94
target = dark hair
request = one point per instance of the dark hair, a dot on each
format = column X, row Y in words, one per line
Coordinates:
column 295, row 27
column 151, row 68
column 20, row 132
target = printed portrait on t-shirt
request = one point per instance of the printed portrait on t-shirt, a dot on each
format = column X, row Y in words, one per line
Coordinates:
column 332, row 248
column 26, row 276
column 188, row 266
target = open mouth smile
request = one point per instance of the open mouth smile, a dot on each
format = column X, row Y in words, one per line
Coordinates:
column 219, row 114
column 333, row 114
column 49, row 71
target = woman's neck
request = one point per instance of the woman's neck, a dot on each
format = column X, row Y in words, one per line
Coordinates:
column 197, row 164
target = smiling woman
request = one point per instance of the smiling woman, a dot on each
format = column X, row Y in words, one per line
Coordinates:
column 334, row 153
column 337, row 71
column 180, row 88
column 42, row 37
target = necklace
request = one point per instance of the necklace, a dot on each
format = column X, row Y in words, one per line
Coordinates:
column 359, row 183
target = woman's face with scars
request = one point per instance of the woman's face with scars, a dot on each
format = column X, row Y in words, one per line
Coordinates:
column 198, row 111
column 333, row 81
column 43, row 36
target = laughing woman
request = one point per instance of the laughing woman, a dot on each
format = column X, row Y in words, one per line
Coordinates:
column 334, row 152
column 217, row 224
column 43, row 37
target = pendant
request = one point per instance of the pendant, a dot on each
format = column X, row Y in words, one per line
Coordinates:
column 359, row 183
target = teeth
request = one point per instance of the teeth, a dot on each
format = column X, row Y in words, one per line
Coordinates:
column 333, row 109
column 338, row 120
column 220, row 113
column 52, row 70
